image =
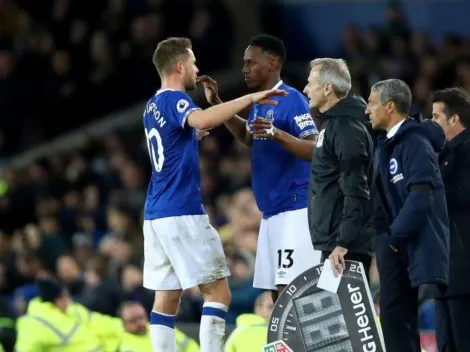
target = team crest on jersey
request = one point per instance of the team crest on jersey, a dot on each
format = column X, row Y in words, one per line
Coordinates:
column 320, row 139
column 270, row 115
column 393, row 168
column 182, row 105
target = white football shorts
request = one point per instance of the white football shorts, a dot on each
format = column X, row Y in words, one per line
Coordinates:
column 182, row 252
column 285, row 249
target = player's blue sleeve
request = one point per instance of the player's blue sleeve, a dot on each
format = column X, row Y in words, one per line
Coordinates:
column 300, row 120
column 181, row 106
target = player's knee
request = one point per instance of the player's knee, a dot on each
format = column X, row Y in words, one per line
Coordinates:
column 228, row 297
column 222, row 295
column 167, row 302
column 217, row 291
column 225, row 297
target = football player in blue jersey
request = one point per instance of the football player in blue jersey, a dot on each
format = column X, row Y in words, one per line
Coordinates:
column 279, row 178
column 182, row 249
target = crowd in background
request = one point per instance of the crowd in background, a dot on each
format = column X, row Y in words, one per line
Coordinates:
column 65, row 62
column 395, row 51
column 80, row 215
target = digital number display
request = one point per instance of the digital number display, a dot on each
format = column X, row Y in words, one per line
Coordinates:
column 322, row 323
column 309, row 319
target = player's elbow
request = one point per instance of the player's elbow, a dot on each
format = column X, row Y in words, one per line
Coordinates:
column 198, row 120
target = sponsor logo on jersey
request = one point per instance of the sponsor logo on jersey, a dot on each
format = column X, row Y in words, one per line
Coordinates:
column 304, row 120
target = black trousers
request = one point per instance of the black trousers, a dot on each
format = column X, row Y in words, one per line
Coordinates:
column 452, row 324
column 362, row 258
column 398, row 300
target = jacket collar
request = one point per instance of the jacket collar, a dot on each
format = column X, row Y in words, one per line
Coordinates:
column 459, row 139
column 393, row 131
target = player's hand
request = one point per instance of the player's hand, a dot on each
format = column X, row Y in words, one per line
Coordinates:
column 337, row 260
column 263, row 97
column 395, row 249
column 202, row 133
column 210, row 89
column 263, row 128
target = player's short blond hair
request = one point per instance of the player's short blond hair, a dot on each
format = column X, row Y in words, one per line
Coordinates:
column 169, row 52
column 335, row 72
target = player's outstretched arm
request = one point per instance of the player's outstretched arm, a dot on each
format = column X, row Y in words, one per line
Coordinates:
column 216, row 115
column 236, row 125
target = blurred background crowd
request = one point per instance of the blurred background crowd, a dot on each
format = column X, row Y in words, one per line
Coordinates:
column 84, row 59
column 78, row 215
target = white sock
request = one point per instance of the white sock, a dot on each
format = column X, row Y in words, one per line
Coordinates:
column 212, row 329
column 162, row 332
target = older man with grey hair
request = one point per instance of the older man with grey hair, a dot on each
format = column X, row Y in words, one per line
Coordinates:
column 411, row 221
column 339, row 203
column 339, row 199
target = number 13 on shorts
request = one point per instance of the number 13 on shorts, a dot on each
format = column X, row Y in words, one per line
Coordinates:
column 284, row 258
column 284, row 250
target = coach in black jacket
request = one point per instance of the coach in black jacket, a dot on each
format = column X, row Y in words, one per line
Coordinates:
column 339, row 200
column 451, row 110
column 413, row 249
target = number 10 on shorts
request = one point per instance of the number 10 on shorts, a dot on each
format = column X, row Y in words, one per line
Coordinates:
column 284, row 258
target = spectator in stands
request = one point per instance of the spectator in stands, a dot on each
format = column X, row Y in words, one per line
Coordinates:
column 47, row 326
column 241, row 266
column 132, row 286
column 136, row 336
column 252, row 329
column 101, row 293
column 31, row 265
column 69, row 272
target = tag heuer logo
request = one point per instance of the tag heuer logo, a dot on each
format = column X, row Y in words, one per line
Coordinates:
column 277, row 346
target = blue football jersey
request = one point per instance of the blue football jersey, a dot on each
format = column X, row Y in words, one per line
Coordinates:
column 280, row 179
column 175, row 186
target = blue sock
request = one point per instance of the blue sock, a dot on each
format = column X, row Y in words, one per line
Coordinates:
column 162, row 332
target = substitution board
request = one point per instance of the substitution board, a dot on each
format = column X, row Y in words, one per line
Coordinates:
column 309, row 319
